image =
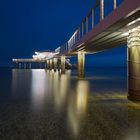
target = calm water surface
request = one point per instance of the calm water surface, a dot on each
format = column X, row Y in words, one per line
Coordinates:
column 44, row 105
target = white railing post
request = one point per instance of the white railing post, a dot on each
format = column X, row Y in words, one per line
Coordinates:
column 82, row 29
column 87, row 24
column 101, row 9
column 92, row 15
column 115, row 4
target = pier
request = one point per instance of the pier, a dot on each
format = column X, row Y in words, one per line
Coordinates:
column 120, row 26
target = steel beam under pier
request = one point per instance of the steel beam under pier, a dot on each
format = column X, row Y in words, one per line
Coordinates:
column 81, row 64
column 134, row 64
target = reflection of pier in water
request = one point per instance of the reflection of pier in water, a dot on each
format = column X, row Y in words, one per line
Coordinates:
column 49, row 87
column 69, row 102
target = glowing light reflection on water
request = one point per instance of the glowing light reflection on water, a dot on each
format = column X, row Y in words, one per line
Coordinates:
column 64, row 104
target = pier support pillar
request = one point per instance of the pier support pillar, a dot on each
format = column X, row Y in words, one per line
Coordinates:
column 50, row 64
column 45, row 65
column 19, row 66
column 55, row 64
column 30, row 65
column 58, row 64
column 63, row 61
column 40, row 65
column 134, row 64
column 25, row 66
column 81, row 64
column 16, row 65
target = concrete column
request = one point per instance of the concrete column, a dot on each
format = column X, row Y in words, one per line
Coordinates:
column 19, row 65
column 45, row 65
column 30, row 65
column 25, row 66
column 81, row 64
column 134, row 64
column 50, row 64
column 55, row 64
column 39, row 65
column 63, row 61
column 58, row 64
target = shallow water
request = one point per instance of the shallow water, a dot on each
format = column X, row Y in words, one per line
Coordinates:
column 45, row 105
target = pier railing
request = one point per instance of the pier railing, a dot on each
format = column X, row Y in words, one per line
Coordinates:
column 88, row 23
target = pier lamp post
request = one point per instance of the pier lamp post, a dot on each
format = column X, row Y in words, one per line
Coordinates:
column 133, row 42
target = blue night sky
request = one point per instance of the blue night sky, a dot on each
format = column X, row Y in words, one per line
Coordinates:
column 27, row 26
